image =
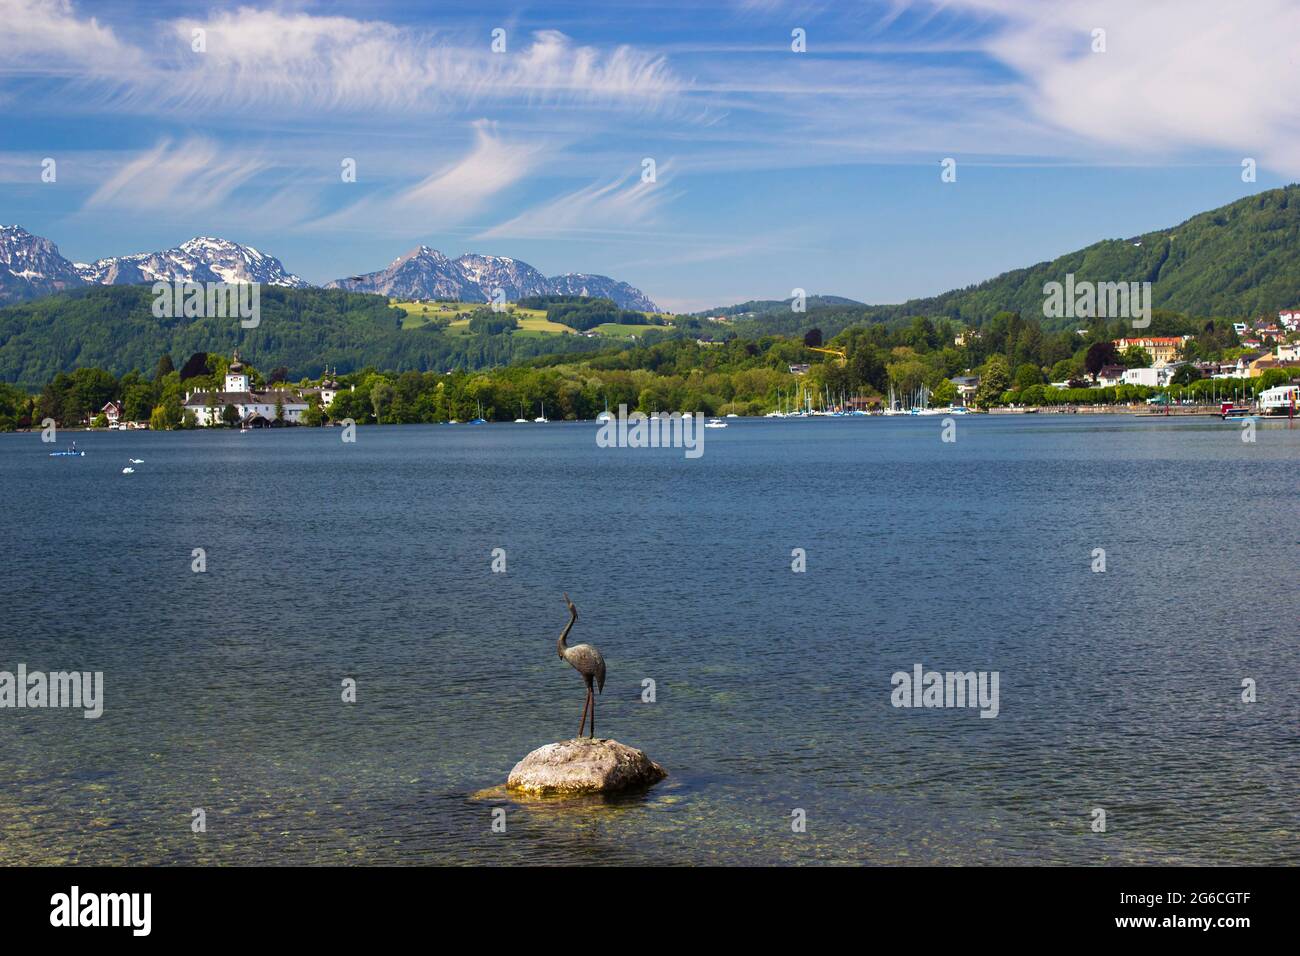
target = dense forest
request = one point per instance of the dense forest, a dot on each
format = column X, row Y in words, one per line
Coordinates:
column 113, row 328
column 1015, row 358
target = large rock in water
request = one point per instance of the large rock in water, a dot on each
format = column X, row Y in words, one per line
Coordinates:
column 583, row 765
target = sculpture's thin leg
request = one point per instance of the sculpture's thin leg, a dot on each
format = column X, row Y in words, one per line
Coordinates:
column 584, row 713
column 592, row 694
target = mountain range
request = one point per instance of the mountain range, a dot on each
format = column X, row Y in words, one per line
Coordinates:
column 425, row 273
column 31, row 268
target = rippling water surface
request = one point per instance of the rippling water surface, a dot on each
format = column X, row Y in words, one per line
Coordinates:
column 372, row 561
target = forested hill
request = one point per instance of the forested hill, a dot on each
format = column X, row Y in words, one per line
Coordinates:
column 1241, row 260
column 113, row 328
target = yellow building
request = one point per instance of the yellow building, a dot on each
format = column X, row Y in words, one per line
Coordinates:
column 1162, row 349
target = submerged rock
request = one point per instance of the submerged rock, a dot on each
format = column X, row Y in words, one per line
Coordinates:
column 583, row 765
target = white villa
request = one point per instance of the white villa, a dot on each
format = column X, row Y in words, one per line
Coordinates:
column 256, row 408
column 1156, row 376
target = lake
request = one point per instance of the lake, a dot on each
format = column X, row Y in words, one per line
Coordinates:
column 372, row 561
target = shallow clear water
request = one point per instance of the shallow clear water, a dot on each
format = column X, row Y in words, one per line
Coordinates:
column 372, row 561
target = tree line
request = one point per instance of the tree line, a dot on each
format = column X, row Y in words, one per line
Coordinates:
column 1016, row 361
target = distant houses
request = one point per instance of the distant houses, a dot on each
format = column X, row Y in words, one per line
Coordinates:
column 967, row 386
column 113, row 417
column 1108, row 376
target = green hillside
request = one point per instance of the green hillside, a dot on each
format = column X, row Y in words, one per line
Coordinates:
column 1240, row 260
column 113, row 328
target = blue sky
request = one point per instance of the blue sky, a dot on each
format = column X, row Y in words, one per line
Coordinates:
column 774, row 169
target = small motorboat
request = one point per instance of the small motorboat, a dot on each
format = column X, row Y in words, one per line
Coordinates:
column 715, row 423
column 128, row 470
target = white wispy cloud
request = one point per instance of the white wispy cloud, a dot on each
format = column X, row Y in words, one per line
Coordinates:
column 296, row 62
column 602, row 208
column 300, row 60
column 49, row 37
column 194, row 174
column 1175, row 73
column 448, row 195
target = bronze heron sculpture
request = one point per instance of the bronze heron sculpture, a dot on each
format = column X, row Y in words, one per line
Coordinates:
column 586, row 660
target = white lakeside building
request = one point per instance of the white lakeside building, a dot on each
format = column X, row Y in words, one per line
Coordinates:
column 252, row 406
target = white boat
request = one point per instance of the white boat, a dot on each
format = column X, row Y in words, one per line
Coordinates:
column 715, row 423
column 1280, row 399
column 732, row 415
column 541, row 419
column 128, row 470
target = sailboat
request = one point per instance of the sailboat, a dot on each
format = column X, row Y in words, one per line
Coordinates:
column 605, row 415
column 542, row 417
column 521, row 415
column 892, row 408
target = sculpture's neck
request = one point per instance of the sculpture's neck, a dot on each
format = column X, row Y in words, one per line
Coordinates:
column 562, row 644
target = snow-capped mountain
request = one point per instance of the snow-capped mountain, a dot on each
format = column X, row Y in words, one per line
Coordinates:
column 513, row 277
column 579, row 283
column 425, row 273
column 31, row 267
column 201, row 259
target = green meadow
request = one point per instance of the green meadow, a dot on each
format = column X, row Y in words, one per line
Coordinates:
column 532, row 322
